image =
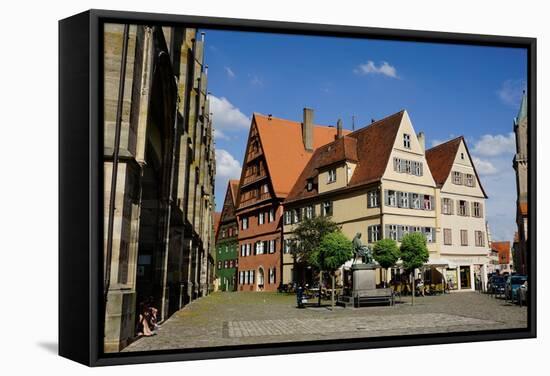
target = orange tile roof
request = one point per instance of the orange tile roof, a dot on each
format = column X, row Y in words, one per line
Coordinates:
column 503, row 249
column 284, row 149
column 440, row 160
column 373, row 145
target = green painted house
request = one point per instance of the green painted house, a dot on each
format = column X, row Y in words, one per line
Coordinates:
column 227, row 257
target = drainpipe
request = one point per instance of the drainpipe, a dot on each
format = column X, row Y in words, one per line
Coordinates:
column 116, row 146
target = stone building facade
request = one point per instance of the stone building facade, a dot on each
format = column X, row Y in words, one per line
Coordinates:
column 521, row 164
column 159, row 232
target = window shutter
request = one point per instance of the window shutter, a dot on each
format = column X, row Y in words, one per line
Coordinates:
column 467, row 208
column 432, row 203
column 481, row 209
column 386, row 198
column 395, row 163
column 452, row 206
column 421, row 168
column 386, row 231
column 399, row 232
column 369, row 234
column 433, row 235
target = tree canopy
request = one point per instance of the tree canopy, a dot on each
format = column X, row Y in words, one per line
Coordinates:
column 414, row 252
column 308, row 235
column 386, row 252
column 333, row 251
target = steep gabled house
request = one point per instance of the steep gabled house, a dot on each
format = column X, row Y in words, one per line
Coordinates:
column 463, row 241
column 374, row 181
column 226, row 240
column 276, row 153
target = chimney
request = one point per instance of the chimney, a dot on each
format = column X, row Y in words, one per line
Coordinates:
column 339, row 128
column 422, row 140
column 307, row 129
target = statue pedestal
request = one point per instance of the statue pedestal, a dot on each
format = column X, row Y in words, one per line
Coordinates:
column 364, row 291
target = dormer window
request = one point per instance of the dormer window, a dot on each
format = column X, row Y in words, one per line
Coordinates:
column 331, row 178
column 309, row 185
column 406, row 140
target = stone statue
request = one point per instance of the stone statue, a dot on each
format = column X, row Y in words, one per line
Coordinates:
column 361, row 250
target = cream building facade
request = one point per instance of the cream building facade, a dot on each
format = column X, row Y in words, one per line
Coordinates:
column 463, row 240
column 374, row 181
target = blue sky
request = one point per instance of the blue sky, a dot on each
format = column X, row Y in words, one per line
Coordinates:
column 448, row 90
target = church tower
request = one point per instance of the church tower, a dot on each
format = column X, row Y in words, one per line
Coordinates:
column 520, row 166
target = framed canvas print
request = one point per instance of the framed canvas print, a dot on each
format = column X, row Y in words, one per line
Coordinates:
column 238, row 187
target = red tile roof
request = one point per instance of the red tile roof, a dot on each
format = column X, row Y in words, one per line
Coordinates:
column 373, row 146
column 503, row 249
column 440, row 160
column 284, row 149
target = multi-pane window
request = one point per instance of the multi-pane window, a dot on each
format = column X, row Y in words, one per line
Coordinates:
column 469, row 180
column 244, row 223
column 403, row 200
column 271, row 215
column 476, row 209
column 271, row 246
column 265, row 188
column 373, row 233
column 241, row 277
column 260, row 248
column 429, row 233
column 391, row 198
column 288, row 217
column 447, row 206
column 463, row 237
column 415, row 201
column 309, row 185
column 261, row 218
column 447, row 236
column 457, row 178
column 392, row 232
column 331, row 177
column 480, row 241
column 327, row 208
column 427, row 202
column 463, row 208
column 296, row 216
column 223, row 233
column 406, row 140
column 287, row 245
column 271, row 275
column 407, row 166
column 373, row 199
column 226, row 264
column 309, row 211
column 219, row 264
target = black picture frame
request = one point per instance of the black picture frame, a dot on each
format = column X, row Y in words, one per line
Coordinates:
column 80, row 182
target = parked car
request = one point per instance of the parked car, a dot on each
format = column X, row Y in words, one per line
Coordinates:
column 522, row 294
column 496, row 285
column 513, row 283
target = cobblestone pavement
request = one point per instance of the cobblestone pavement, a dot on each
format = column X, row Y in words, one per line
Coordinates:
column 238, row 318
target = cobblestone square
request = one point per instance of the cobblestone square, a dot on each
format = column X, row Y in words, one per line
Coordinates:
column 237, row 318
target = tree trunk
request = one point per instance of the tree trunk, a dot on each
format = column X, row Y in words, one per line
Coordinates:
column 332, row 294
column 413, row 287
column 320, row 283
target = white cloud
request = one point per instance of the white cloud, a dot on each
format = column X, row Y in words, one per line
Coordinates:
column 219, row 135
column 255, row 80
column 229, row 72
column 437, row 142
column 370, row 68
column 492, row 146
column 511, row 91
column 226, row 117
column 484, row 167
column 227, row 166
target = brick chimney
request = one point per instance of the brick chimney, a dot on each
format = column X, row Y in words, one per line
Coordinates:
column 422, row 140
column 339, row 128
column 307, row 129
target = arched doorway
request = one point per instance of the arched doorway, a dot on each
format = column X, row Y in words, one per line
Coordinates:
column 260, row 285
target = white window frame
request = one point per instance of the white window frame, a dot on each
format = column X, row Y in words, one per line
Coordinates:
column 288, row 217
column 271, row 215
column 374, row 233
column 331, row 176
column 309, row 211
column 476, row 209
column 373, row 199
column 404, row 199
column 392, row 232
column 392, row 198
column 261, row 218
column 325, row 205
column 429, row 234
column 427, row 204
column 457, row 177
column 406, row 140
column 244, row 223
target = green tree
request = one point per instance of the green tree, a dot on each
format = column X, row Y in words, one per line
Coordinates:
column 333, row 251
column 414, row 254
column 386, row 253
column 308, row 235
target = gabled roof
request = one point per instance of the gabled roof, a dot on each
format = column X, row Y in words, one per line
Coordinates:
column 373, row 145
column 440, row 160
column 234, row 187
column 284, row 150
